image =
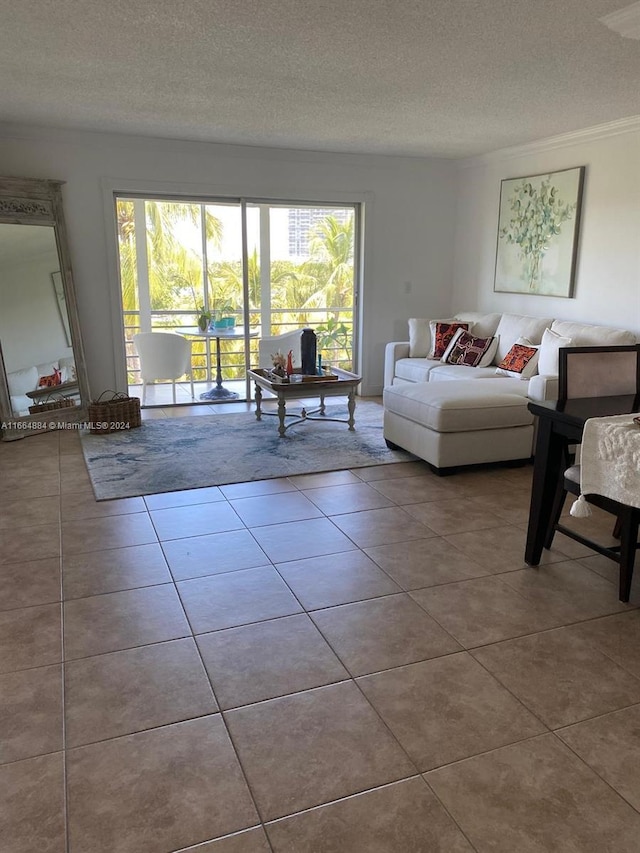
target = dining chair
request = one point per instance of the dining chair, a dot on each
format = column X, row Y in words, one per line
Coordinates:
column 599, row 372
column 163, row 355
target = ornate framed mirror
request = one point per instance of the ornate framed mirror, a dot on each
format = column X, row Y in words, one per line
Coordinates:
column 43, row 378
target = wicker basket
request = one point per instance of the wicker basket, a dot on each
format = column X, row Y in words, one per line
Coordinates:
column 119, row 412
column 49, row 405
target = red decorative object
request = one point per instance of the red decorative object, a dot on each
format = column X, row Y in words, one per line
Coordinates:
column 51, row 380
column 290, row 363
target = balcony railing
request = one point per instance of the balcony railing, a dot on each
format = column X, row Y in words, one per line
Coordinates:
column 233, row 362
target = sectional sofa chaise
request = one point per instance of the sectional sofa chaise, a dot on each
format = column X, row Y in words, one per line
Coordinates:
column 452, row 414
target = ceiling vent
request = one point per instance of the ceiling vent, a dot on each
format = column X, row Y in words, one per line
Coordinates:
column 626, row 21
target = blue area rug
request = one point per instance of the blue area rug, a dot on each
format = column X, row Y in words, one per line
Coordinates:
column 169, row 454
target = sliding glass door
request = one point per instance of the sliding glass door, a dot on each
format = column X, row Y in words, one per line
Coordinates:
column 311, row 275
column 258, row 266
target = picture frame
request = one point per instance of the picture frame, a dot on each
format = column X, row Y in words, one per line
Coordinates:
column 538, row 230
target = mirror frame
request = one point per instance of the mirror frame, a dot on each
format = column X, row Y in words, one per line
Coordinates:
column 34, row 201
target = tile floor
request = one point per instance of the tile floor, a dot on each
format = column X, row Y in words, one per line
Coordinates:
column 354, row 661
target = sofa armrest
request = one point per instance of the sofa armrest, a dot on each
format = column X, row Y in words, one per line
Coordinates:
column 392, row 352
column 543, row 387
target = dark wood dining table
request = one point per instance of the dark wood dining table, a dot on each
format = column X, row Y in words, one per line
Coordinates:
column 560, row 424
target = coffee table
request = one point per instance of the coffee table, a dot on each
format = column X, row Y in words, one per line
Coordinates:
column 344, row 386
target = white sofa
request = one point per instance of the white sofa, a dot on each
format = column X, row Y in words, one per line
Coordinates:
column 26, row 380
column 441, row 413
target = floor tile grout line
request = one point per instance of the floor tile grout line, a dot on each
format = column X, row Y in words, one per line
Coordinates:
column 484, row 752
column 594, row 770
column 354, row 679
column 337, row 800
column 363, row 675
column 552, row 628
column 211, row 687
column 385, row 724
column 350, row 679
column 513, row 695
column 555, row 628
column 622, row 666
column 366, row 548
column 344, row 798
column 547, row 734
column 557, row 729
column 450, row 815
column 551, row 729
column 516, row 636
column 153, row 728
column 226, row 727
column 469, row 649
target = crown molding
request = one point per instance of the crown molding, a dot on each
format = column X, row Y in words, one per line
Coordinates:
column 625, row 22
column 631, row 124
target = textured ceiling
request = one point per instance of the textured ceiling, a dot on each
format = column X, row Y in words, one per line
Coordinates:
column 418, row 77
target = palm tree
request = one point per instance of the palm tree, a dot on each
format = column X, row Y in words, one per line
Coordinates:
column 127, row 252
column 174, row 271
column 331, row 263
column 226, row 277
column 171, row 264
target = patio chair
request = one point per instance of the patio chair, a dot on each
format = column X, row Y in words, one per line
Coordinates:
column 267, row 346
column 163, row 355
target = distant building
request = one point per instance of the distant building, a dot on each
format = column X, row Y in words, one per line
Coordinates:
column 302, row 220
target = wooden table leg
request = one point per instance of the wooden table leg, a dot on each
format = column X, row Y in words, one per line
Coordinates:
column 281, row 414
column 547, row 469
column 352, row 407
column 258, row 396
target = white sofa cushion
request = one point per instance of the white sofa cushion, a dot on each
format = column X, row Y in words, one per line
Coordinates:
column 480, row 325
column 514, row 326
column 21, row 381
column 460, row 406
column 543, row 387
column 461, row 371
column 549, row 358
column 419, row 337
column 583, row 335
column 46, row 368
column 68, row 369
column 415, row 369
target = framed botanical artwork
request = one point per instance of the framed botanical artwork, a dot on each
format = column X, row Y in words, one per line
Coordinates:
column 538, row 226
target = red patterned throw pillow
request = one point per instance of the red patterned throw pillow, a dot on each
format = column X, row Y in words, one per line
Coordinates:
column 467, row 350
column 441, row 334
column 521, row 361
column 50, row 381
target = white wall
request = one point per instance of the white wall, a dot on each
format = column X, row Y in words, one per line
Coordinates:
column 410, row 209
column 607, row 289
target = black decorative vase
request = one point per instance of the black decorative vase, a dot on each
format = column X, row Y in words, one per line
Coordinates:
column 308, row 348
